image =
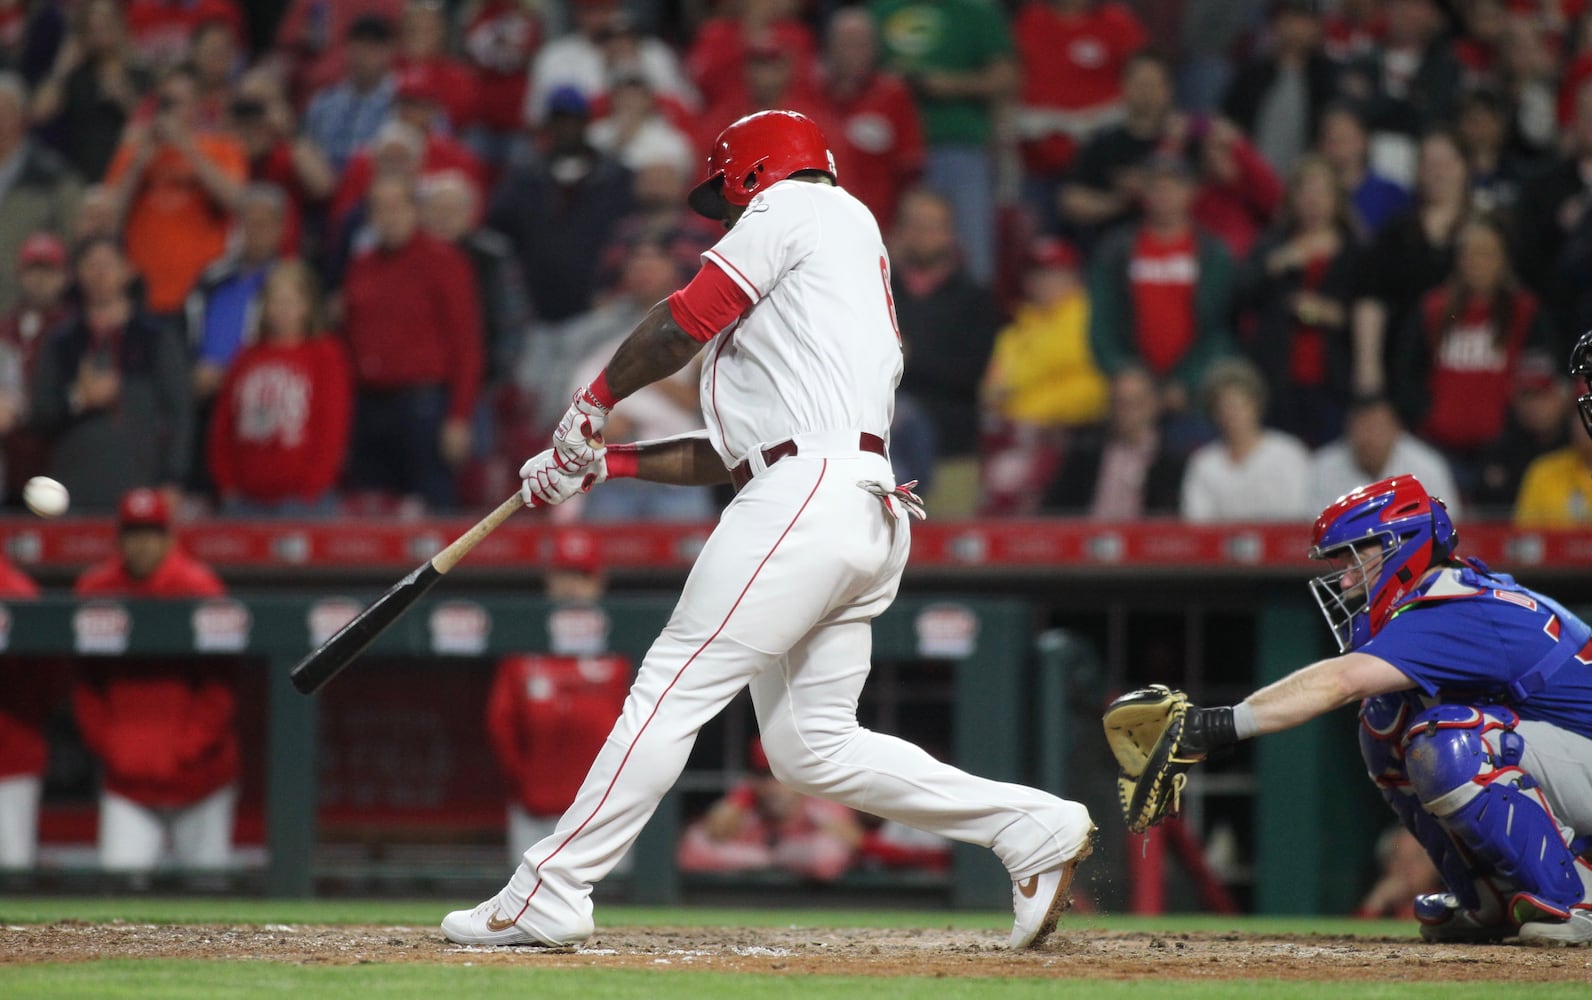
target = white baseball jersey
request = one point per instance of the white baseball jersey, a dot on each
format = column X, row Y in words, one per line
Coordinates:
column 818, row 350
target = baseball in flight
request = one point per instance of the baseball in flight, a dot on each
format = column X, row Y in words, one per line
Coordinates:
column 45, row 497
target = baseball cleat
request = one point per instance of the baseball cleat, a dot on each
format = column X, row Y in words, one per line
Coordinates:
column 1444, row 921
column 1575, row 931
column 489, row 924
column 1039, row 900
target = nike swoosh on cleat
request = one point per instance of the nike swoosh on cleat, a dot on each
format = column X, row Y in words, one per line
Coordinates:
column 1029, row 886
column 497, row 922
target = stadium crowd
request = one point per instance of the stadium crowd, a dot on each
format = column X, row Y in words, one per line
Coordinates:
column 1222, row 259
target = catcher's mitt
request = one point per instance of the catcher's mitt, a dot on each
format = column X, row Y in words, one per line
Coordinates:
column 1146, row 731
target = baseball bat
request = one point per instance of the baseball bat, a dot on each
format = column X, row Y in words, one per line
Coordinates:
column 329, row 659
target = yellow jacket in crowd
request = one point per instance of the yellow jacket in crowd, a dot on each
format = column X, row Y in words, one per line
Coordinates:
column 1042, row 371
column 1556, row 492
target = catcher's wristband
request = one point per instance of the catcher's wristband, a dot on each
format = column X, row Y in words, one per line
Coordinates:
column 623, row 461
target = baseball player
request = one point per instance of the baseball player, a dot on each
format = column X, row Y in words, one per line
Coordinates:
column 1475, row 715
column 793, row 305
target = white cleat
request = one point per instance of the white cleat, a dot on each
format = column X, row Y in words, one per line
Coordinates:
column 489, row 924
column 1039, row 900
column 1575, row 931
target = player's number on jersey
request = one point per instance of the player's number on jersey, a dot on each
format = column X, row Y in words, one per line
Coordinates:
column 889, row 299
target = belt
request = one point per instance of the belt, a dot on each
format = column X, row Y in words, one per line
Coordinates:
column 742, row 474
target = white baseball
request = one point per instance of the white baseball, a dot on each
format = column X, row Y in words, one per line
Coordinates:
column 45, row 497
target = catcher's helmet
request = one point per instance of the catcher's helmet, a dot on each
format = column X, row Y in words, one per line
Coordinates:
column 1412, row 532
column 1581, row 372
column 756, row 152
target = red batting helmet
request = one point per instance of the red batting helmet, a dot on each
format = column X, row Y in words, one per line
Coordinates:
column 756, row 152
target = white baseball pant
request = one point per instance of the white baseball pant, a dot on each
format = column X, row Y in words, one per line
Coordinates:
column 523, row 828
column 19, row 820
column 781, row 598
column 132, row 836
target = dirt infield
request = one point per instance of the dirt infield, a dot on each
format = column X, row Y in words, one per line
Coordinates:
column 789, row 951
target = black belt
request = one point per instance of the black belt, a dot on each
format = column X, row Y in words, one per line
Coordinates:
column 742, row 474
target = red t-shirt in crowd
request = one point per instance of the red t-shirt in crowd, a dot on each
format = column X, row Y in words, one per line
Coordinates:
column 161, row 30
column 27, row 695
column 1472, row 368
column 1071, row 62
column 162, row 730
column 878, row 143
column 280, row 426
column 716, row 61
column 1307, row 356
column 1162, row 274
column 548, row 716
column 455, row 85
column 441, row 153
column 412, row 319
column 500, row 40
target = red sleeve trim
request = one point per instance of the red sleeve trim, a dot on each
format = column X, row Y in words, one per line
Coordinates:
column 711, row 302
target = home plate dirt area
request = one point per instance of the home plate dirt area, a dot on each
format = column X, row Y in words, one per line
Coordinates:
column 1085, row 954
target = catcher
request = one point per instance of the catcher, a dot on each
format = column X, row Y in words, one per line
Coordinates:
column 1475, row 718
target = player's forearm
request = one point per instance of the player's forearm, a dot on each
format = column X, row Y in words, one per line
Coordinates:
column 1320, row 688
column 655, row 349
column 685, row 460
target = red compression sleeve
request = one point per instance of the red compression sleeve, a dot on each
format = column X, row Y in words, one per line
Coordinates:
column 623, row 460
column 711, row 302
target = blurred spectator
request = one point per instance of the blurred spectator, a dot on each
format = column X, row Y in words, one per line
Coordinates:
column 1556, row 226
column 1557, row 489
column 163, row 731
column 549, row 714
column 1295, row 288
column 948, row 321
column 279, row 429
column 27, row 700
column 1249, row 473
column 222, row 310
column 1072, row 53
column 1412, row 254
column 660, row 216
column 1497, row 173
column 663, row 409
column 1538, row 408
column 215, row 59
column 761, row 825
column 450, row 210
column 1122, row 470
column 1354, row 28
column 1208, row 33
column 92, row 89
column 1343, row 142
column 1107, row 181
column 399, row 150
column 41, row 308
column 262, row 120
column 162, row 29
column 580, row 60
column 1406, row 873
column 1374, row 446
column 721, row 45
column 1041, row 381
column 113, row 390
column 1238, row 191
column 413, row 328
column 1457, row 356
column 1277, row 97
column 636, row 132
column 1160, row 292
column 877, row 138
column 37, row 189
column 560, row 209
column 1479, row 41
column 1407, row 85
column 1531, row 80
column 343, row 116
column 499, row 37
column 97, row 216
column 770, row 82
column 958, row 58
column 423, row 51
column 310, row 50
column 177, row 190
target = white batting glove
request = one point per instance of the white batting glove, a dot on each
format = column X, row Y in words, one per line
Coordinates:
column 547, row 482
column 580, row 432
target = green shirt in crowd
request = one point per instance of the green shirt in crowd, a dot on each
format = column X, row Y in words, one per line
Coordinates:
column 948, row 36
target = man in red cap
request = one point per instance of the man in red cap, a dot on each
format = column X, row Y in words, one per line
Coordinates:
column 41, row 307
column 163, row 731
column 549, row 713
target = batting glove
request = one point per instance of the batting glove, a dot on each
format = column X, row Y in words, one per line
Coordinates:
column 548, row 482
column 580, row 431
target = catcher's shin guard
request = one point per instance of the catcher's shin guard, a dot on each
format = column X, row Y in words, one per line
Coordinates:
column 1463, row 766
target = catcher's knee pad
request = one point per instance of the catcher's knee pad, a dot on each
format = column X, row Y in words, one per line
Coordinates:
column 1463, row 765
column 1383, row 720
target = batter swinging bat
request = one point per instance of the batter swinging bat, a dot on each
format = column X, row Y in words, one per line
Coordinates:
column 339, row 651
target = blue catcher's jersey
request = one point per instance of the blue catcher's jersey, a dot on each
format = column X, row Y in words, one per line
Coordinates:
column 1472, row 637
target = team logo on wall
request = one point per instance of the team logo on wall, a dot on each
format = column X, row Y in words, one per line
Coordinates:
column 1107, row 547
column 101, row 627
column 1244, row 547
column 292, row 547
column 578, row 630
column 5, row 628
column 459, row 628
column 1526, row 549
column 972, row 547
column 221, row 627
column 26, row 546
column 946, row 631
column 328, row 615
